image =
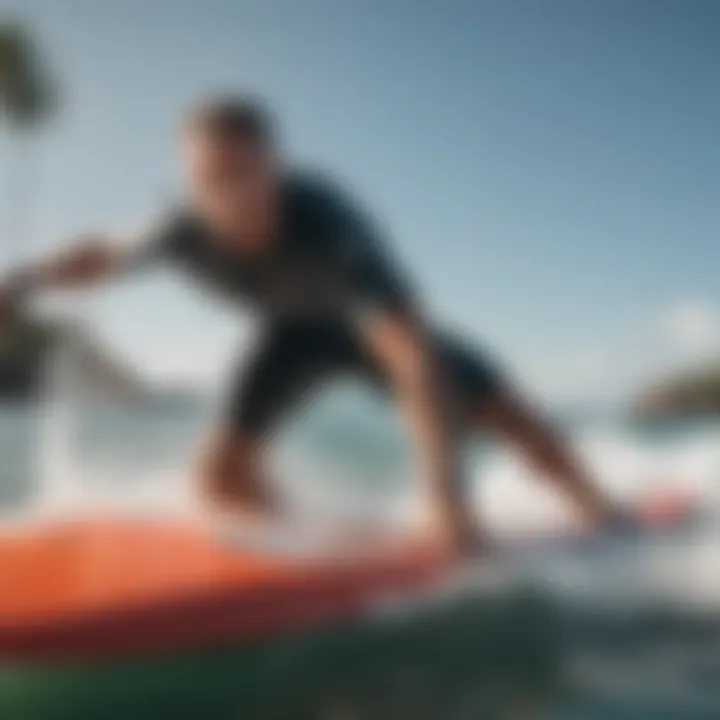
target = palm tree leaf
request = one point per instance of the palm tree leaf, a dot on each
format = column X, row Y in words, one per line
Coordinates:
column 29, row 101
column 26, row 92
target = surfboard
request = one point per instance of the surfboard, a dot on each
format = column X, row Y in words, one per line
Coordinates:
column 112, row 587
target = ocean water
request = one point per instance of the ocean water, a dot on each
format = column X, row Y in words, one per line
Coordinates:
column 645, row 638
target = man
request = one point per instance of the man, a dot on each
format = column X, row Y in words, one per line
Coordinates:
column 330, row 300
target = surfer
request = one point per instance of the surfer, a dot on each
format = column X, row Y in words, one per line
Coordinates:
column 296, row 249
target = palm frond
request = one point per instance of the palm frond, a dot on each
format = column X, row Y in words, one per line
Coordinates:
column 27, row 95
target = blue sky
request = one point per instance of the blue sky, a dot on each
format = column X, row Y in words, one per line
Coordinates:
column 549, row 171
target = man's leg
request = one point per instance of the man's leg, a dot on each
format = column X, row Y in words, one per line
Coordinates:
column 289, row 363
column 506, row 415
column 489, row 404
column 231, row 474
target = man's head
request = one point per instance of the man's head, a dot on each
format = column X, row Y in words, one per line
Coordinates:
column 231, row 162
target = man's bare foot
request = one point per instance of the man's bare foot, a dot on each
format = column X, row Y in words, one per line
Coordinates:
column 231, row 513
column 454, row 541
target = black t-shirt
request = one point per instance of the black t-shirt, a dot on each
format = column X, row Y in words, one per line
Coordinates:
column 328, row 262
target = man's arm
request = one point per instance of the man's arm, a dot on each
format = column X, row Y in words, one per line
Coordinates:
column 399, row 342
column 89, row 260
column 389, row 321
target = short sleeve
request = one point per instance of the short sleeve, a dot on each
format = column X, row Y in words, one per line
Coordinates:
column 153, row 242
column 376, row 283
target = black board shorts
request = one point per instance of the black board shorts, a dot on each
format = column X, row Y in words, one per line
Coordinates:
column 293, row 359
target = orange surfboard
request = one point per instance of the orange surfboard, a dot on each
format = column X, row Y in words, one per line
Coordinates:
column 108, row 588
column 104, row 588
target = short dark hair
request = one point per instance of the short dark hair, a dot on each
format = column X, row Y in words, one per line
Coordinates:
column 233, row 117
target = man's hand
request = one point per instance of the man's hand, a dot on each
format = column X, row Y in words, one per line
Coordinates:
column 457, row 536
column 91, row 258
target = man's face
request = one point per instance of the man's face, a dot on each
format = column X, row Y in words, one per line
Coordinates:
column 232, row 182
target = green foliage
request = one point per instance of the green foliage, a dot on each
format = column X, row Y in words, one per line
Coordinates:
column 25, row 338
column 27, row 95
column 687, row 394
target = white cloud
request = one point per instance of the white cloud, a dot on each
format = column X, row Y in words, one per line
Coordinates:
column 620, row 364
column 692, row 329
